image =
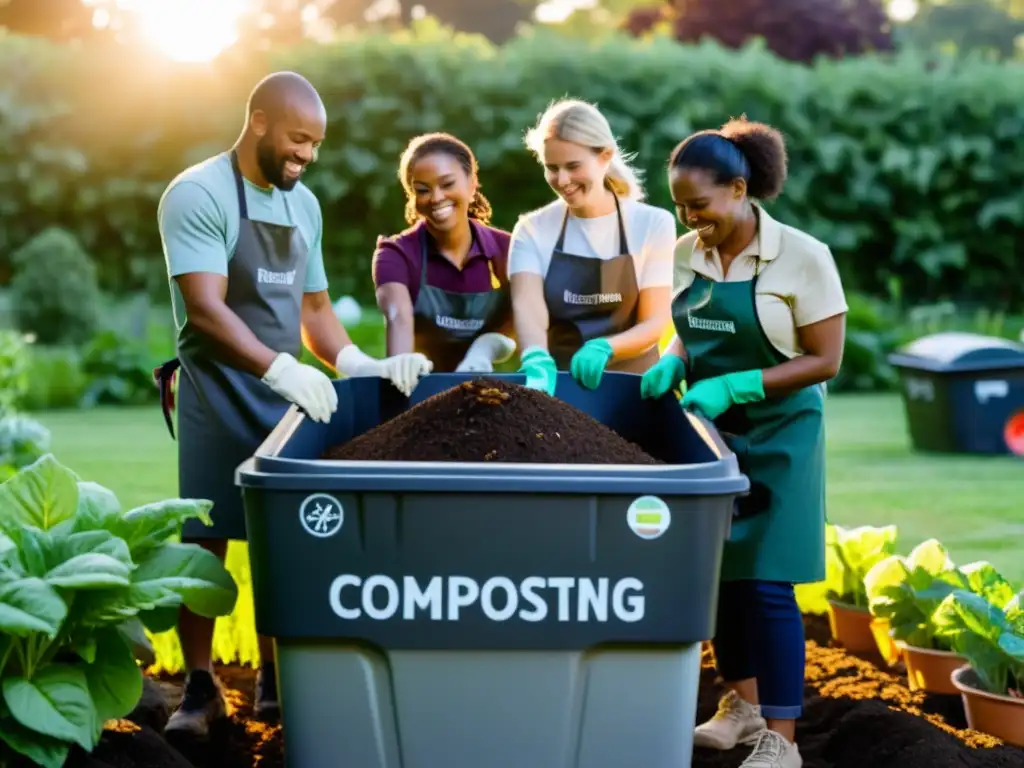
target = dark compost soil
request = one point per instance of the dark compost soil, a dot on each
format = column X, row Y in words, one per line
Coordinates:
column 492, row 420
column 857, row 715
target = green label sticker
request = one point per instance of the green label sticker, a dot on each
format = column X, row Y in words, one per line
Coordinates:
column 648, row 517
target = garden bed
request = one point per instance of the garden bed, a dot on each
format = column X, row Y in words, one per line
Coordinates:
column 857, row 714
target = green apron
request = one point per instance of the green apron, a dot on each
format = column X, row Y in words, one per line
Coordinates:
column 778, row 533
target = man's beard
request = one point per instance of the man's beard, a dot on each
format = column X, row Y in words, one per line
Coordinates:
column 272, row 166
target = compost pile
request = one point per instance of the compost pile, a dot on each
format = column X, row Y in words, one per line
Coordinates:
column 858, row 714
column 488, row 419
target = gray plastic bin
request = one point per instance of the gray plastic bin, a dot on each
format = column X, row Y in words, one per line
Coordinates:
column 457, row 615
column 963, row 393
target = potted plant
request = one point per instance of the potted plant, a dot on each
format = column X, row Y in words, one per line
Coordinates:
column 905, row 592
column 991, row 684
column 80, row 582
column 851, row 553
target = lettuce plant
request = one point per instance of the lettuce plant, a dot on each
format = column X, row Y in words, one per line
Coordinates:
column 907, row 591
column 850, row 554
column 23, row 440
column 80, row 582
column 989, row 637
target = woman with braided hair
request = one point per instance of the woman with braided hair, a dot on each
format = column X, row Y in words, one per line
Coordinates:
column 759, row 314
column 441, row 283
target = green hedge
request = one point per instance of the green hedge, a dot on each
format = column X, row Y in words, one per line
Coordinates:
column 912, row 173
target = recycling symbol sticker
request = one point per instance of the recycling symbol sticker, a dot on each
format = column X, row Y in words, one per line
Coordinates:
column 321, row 515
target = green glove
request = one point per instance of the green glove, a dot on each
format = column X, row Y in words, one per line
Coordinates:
column 540, row 369
column 664, row 376
column 713, row 397
column 588, row 363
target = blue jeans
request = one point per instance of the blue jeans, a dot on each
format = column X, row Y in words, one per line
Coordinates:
column 760, row 634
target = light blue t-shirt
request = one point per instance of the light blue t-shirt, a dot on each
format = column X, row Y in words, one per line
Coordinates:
column 198, row 218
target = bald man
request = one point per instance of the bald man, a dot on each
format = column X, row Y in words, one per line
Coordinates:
column 242, row 239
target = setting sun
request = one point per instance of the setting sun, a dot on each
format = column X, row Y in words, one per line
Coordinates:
column 186, row 30
column 190, row 30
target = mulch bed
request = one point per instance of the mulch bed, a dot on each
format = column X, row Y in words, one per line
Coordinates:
column 490, row 420
column 858, row 715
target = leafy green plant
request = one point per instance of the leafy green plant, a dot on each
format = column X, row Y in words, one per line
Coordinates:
column 23, row 440
column 907, row 591
column 57, row 378
column 990, row 637
column 14, row 364
column 850, row 553
column 897, row 162
column 54, row 292
column 80, row 582
column 872, row 332
column 119, row 370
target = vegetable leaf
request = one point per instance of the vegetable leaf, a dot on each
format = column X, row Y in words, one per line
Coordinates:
column 174, row 573
column 114, row 679
column 30, row 605
column 55, row 702
column 149, row 526
column 42, row 495
column 45, row 751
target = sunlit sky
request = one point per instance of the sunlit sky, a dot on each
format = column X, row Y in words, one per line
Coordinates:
column 198, row 30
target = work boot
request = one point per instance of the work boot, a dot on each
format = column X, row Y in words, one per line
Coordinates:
column 202, row 703
column 266, row 704
column 773, row 751
column 735, row 722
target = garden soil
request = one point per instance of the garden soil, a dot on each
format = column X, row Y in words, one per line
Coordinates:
column 858, row 715
column 492, row 420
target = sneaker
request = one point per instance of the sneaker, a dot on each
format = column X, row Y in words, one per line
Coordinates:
column 773, row 751
column 735, row 722
column 202, row 702
column 266, row 704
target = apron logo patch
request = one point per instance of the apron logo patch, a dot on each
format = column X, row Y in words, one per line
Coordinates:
column 321, row 515
column 704, row 324
column 458, row 324
column 648, row 517
column 591, row 299
column 275, row 278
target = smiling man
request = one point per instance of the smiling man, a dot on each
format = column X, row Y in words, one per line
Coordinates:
column 242, row 238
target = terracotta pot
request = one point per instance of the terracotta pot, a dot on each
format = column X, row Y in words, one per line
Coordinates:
column 880, row 628
column 999, row 716
column 929, row 670
column 851, row 627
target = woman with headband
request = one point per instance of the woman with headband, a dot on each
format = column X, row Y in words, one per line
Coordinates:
column 759, row 314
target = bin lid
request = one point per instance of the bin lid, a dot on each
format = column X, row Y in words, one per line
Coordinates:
column 956, row 351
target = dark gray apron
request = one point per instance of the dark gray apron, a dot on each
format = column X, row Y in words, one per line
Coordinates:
column 225, row 413
column 572, row 323
column 445, row 323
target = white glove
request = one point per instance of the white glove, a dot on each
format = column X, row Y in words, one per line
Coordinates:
column 303, row 385
column 404, row 371
column 486, row 350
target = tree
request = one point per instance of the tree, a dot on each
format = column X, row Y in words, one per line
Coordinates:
column 497, row 20
column 60, row 20
column 991, row 27
column 798, row 30
column 273, row 23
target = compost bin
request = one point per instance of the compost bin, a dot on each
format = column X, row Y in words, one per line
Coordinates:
column 963, row 393
column 488, row 614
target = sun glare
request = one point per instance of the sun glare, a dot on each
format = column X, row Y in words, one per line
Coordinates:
column 189, row 30
column 902, row 10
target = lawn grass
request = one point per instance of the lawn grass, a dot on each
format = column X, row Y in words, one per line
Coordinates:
column 971, row 504
column 974, row 505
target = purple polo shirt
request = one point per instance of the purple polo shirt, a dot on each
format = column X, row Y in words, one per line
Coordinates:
column 397, row 260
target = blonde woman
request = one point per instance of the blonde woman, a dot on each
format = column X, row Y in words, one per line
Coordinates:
column 591, row 272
